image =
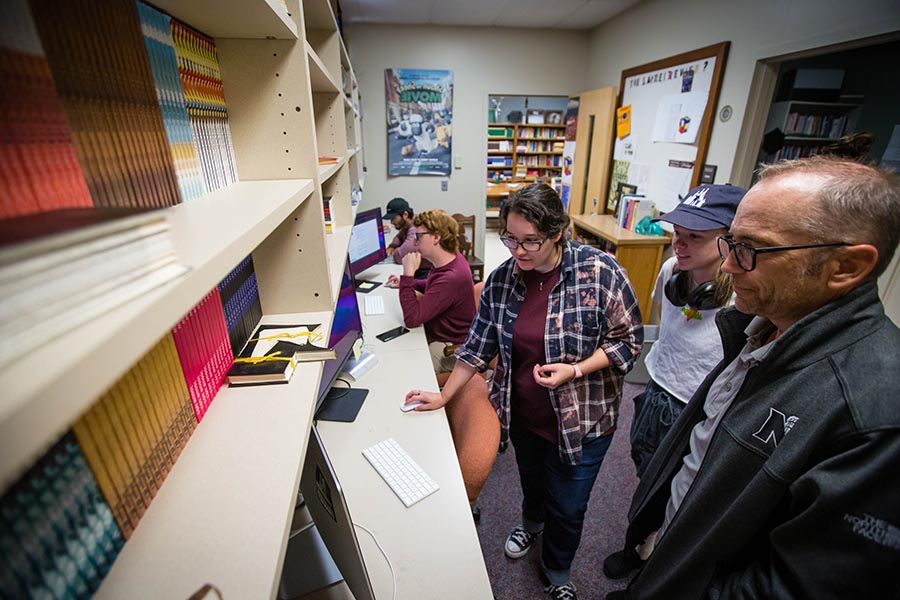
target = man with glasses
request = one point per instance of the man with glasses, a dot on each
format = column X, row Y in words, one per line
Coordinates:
column 781, row 478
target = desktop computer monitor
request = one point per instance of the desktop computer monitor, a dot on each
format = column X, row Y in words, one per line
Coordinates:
column 328, row 508
column 367, row 241
column 346, row 328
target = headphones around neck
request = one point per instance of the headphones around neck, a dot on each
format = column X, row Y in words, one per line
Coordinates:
column 678, row 292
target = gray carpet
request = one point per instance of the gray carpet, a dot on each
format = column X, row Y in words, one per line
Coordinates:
column 604, row 527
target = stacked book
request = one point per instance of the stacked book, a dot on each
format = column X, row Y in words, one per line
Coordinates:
column 204, row 350
column 273, row 352
column 157, row 29
column 632, row 209
column 204, row 94
column 61, row 269
column 240, row 304
column 132, row 436
column 105, row 84
column 58, row 535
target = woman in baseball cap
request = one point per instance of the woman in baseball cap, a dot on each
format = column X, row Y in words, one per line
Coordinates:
column 690, row 290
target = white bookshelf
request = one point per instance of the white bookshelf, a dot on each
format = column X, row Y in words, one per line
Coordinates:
column 223, row 513
column 42, row 398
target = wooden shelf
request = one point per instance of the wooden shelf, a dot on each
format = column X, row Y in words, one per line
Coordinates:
column 42, row 398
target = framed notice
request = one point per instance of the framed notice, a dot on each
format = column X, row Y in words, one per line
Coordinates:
column 670, row 106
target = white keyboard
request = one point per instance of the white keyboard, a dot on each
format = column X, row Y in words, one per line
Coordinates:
column 374, row 305
column 400, row 471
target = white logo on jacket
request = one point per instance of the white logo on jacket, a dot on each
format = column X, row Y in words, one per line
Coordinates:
column 775, row 427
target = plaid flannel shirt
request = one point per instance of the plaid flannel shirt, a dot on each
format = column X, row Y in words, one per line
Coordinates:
column 592, row 306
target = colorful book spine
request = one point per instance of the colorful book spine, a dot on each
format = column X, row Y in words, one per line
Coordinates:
column 204, row 96
column 204, row 350
column 240, row 303
column 58, row 538
column 135, row 432
column 156, row 27
column 99, row 63
column 38, row 164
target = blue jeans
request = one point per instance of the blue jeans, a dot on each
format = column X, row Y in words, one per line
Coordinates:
column 654, row 413
column 556, row 495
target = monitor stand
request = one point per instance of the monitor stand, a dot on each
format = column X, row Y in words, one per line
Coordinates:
column 341, row 404
column 357, row 367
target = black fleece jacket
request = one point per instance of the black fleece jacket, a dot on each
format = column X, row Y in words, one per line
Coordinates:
column 799, row 493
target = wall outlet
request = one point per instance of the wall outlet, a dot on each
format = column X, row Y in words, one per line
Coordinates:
column 445, row 185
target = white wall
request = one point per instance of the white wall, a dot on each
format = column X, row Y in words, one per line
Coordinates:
column 757, row 29
column 483, row 61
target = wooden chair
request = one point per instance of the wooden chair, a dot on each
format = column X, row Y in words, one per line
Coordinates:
column 467, row 245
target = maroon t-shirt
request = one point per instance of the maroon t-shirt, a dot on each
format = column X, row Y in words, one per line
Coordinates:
column 530, row 404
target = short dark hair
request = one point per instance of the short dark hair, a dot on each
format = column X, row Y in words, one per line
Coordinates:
column 539, row 204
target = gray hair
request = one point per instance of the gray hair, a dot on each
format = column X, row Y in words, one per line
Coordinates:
column 857, row 204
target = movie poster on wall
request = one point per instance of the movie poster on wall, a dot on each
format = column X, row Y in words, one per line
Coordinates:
column 419, row 115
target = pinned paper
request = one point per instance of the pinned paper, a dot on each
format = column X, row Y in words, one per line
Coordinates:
column 623, row 121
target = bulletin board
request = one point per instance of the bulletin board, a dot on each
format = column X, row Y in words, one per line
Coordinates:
column 664, row 123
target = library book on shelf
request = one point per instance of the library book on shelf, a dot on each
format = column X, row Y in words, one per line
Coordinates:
column 64, row 268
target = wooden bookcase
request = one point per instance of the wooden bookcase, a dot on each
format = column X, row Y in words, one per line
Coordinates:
column 523, row 147
column 640, row 255
column 223, row 514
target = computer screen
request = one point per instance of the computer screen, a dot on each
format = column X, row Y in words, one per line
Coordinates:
column 367, row 241
column 346, row 328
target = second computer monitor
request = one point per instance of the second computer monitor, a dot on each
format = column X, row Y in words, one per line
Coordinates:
column 367, row 241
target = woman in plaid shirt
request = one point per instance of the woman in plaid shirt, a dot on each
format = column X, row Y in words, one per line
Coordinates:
column 564, row 323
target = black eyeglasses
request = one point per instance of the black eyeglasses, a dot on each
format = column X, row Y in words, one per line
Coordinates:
column 528, row 245
column 745, row 255
column 419, row 235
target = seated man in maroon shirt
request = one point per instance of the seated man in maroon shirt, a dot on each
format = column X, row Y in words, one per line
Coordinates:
column 444, row 302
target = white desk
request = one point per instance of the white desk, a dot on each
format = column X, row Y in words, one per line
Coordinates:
column 432, row 545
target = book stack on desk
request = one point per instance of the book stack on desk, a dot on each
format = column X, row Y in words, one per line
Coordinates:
column 273, row 352
column 60, row 269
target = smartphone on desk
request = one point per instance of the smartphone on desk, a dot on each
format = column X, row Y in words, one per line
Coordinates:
column 392, row 333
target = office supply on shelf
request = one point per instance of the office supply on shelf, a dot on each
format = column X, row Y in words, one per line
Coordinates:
column 374, row 305
column 400, row 471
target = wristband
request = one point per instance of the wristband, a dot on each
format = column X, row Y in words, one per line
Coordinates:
column 578, row 373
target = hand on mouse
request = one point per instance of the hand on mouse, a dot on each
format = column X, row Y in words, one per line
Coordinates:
column 429, row 400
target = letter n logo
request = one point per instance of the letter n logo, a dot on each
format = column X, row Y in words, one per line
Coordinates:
column 775, row 427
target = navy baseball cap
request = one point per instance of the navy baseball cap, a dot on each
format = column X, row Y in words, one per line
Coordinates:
column 395, row 207
column 706, row 207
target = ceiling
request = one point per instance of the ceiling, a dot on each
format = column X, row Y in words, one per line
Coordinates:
column 542, row 14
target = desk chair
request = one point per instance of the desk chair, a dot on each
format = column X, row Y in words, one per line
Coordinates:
column 467, row 245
